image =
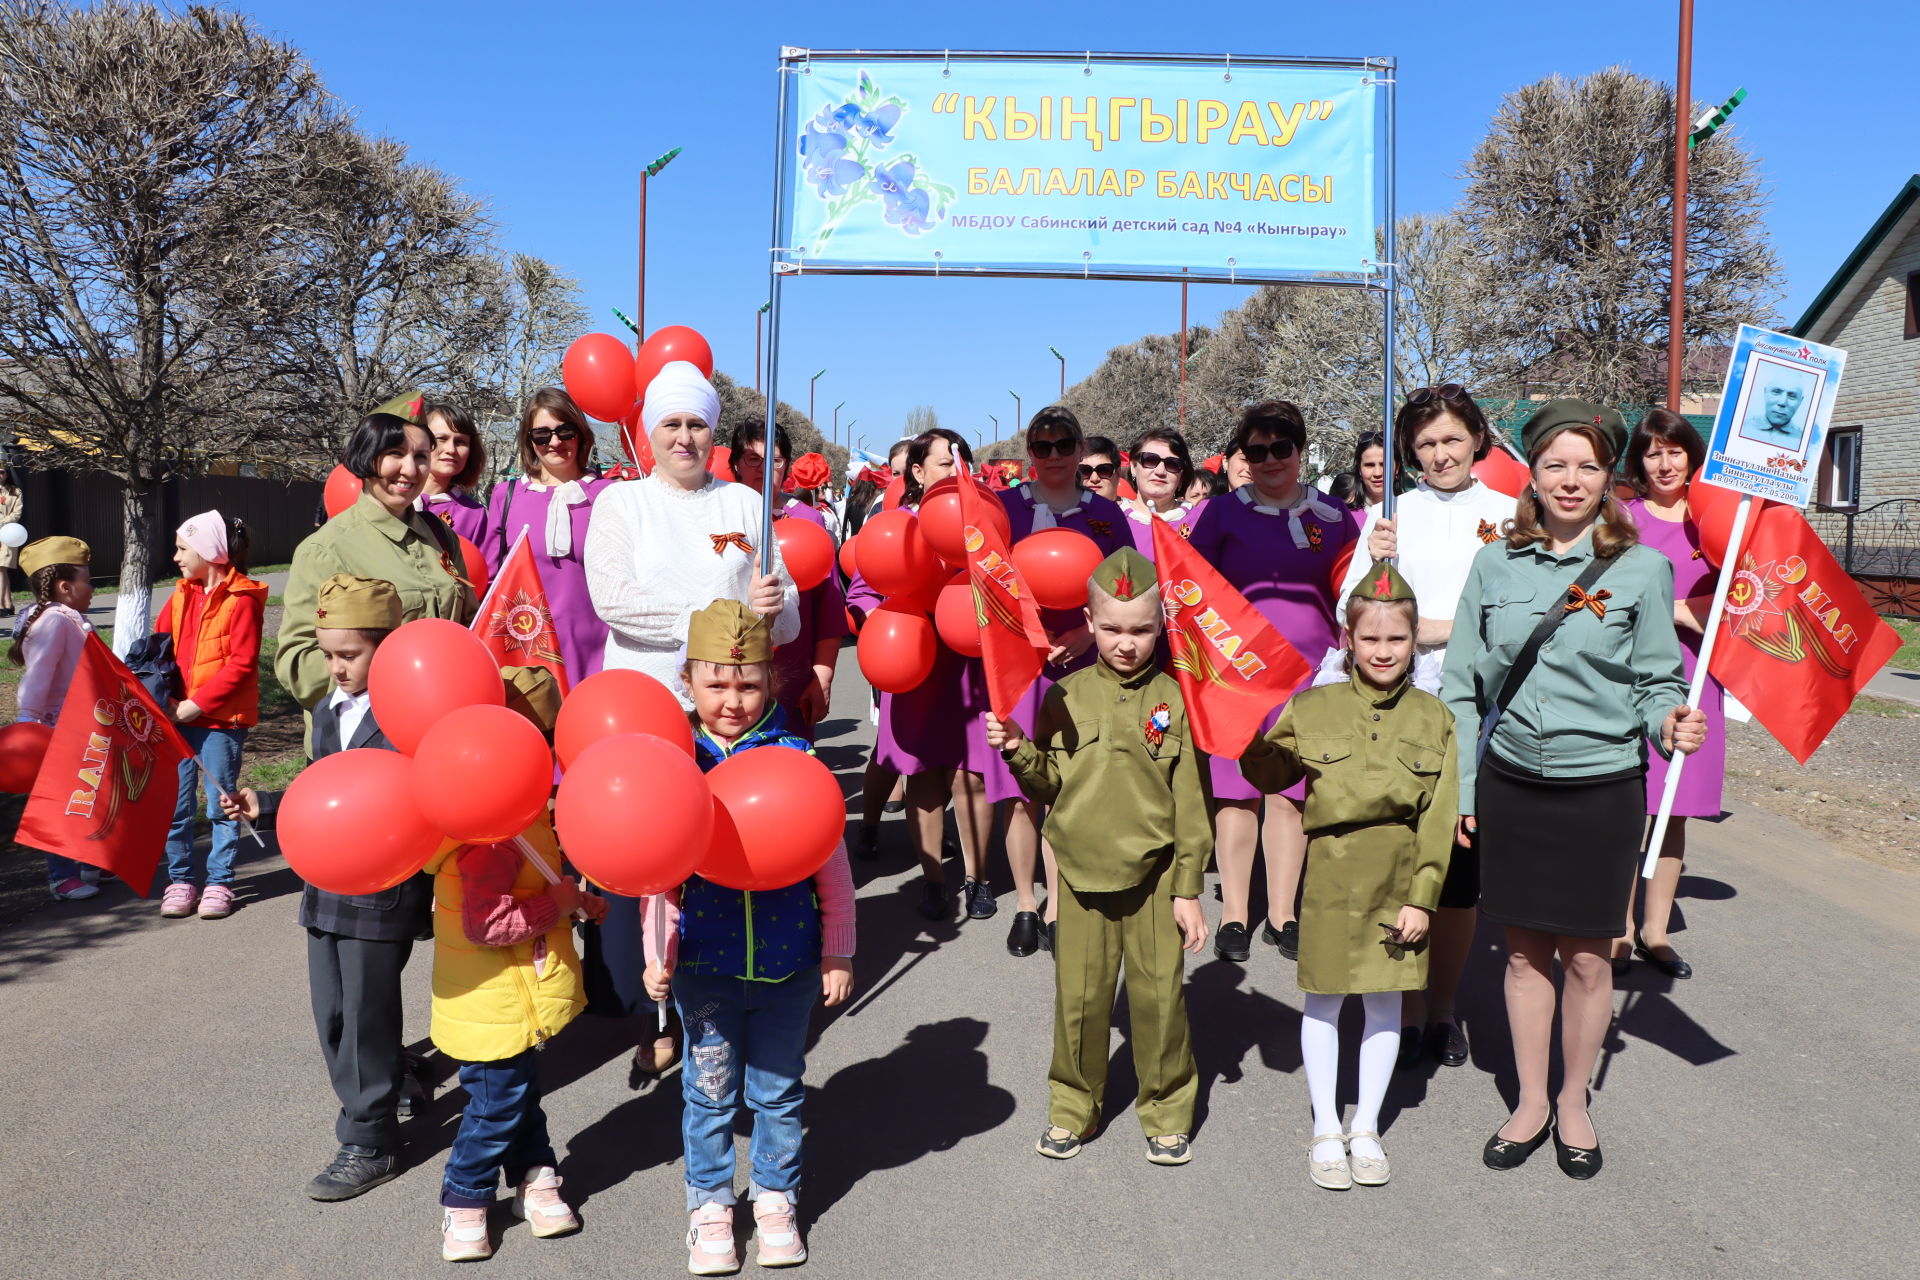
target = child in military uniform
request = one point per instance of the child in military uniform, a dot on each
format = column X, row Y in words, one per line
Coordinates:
column 1128, row 823
column 1382, row 797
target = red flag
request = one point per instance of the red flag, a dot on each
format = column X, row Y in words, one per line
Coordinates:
column 106, row 790
column 1798, row 640
column 514, row 621
column 1233, row 667
column 1012, row 641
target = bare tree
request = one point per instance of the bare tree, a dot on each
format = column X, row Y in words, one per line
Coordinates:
column 920, row 420
column 1569, row 209
column 740, row 404
column 151, row 165
column 544, row 315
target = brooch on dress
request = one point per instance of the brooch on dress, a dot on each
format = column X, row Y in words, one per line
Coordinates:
column 1158, row 723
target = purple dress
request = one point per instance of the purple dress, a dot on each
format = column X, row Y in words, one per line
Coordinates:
column 1106, row 523
column 823, row 616
column 462, row 512
column 517, row 504
column 1282, row 561
column 1706, row 771
column 1142, row 526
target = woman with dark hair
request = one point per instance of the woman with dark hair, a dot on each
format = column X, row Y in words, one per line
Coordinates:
column 1162, row 468
column 1369, row 471
column 1055, row 498
column 1234, row 464
column 1448, row 516
column 551, row 504
column 1099, row 469
column 380, row 536
column 1558, row 793
column 1275, row 540
column 1206, row 482
column 1662, row 456
column 455, row 466
column 12, row 507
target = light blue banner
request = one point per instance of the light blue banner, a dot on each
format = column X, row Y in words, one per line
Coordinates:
column 1082, row 167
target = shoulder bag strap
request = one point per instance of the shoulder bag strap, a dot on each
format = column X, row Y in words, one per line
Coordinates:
column 1523, row 662
column 506, row 510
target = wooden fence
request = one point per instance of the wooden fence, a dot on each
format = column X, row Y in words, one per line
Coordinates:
column 86, row 505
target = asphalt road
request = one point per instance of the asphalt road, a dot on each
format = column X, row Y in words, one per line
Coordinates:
column 165, row 1102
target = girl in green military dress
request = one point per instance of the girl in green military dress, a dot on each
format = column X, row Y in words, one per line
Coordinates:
column 1382, row 799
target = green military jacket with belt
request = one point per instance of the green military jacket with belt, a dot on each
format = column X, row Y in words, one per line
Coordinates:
column 1112, row 756
column 1381, row 774
column 368, row 541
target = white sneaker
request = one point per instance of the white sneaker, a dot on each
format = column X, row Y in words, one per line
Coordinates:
column 463, row 1235
column 710, row 1246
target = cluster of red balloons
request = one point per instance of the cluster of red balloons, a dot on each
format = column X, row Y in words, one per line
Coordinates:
column 633, row 812
column 609, row 382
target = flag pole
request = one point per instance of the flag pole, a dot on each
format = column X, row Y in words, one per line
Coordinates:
column 1658, row 838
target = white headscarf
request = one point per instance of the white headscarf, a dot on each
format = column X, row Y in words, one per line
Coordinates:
column 680, row 387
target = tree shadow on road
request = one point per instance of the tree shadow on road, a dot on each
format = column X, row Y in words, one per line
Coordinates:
column 928, row 1095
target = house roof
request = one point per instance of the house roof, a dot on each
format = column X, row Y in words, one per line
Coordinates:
column 1878, row 241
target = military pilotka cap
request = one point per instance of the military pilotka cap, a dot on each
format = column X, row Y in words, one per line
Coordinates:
column 1126, row 575
column 1557, row 415
column 728, row 634
column 406, row 405
column 534, row 692
column 38, row 555
column 348, row 603
column 1383, row 583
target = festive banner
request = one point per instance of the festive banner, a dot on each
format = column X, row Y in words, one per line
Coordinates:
column 1013, row 644
column 106, row 790
column 515, row 622
column 1773, row 416
column 1082, row 165
column 1233, row 667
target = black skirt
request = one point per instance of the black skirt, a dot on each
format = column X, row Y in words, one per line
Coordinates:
column 1559, row 854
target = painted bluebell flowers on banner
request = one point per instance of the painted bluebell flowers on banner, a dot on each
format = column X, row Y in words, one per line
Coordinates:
column 842, row 157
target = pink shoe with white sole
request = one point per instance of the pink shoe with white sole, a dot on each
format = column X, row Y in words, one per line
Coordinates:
column 178, row 900
column 777, row 1231
column 538, row 1201
column 216, row 903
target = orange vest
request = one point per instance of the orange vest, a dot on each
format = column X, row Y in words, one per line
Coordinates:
column 213, row 644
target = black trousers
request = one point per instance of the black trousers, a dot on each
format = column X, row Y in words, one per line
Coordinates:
column 355, row 986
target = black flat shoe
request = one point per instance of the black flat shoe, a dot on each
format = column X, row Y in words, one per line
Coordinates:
column 1412, row 1046
column 1231, row 942
column 1448, row 1043
column 1024, row 938
column 1504, row 1153
column 1674, row 968
column 1285, row 939
column 1050, row 937
column 866, row 842
column 1575, row 1162
column 1622, row 963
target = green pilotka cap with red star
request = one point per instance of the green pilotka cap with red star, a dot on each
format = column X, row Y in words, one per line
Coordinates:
column 1382, row 582
column 1126, row 575
column 406, row 406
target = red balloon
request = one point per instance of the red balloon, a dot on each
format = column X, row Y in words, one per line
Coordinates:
column 618, row 701
column 342, row 491
column 1502, row 472
column 720, row 463
column 633, row 437
column 940, row 521
column 894, row 558
column 847, row 565
column 1056, row 564
column 896, row 647
column 675, row 342
column 927, row 597
column 778, row 813
column 349, row 823
column 955, row 619
column 895, row 494
column 475, row 563
column 807, row 550
column 482, row 774
column 23, row 745
column 634, row 813
column 598, row 371
column 428, row 667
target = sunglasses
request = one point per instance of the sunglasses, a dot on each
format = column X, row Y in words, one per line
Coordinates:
column 1445, row 391
column 1052, row 448
column 1279, row 450
column 1088, row 470
column 1149, row 461
column 543, row 436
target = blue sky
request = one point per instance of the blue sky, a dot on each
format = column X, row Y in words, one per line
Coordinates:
column 549, row 111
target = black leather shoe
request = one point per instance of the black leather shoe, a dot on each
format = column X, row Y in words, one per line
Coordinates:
column 1286, row 938
column 1024, row 938
column 1412, row 1045
column 1674, row 968
column 1447, row 1042
column 934, row 902
column 1622, row 963
column 1050, row 939
column 354, row 1171
column 1504, row 1153
column 1575, row 1162
column 866, row 842
column 1230, row 943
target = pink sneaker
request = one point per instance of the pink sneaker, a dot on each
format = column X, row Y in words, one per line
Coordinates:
column 177, row 902
column 72, row 889
column 710, row 1246
column 463, row 1236
column 216, row 903
column 538, row 1201
column 776, row 1232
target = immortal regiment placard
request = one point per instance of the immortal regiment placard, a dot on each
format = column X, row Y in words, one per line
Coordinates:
column 1774, row 412
column 1083, row 165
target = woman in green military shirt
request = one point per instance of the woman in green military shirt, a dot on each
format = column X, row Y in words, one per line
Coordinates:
column 379, row 536
column 1558, row 793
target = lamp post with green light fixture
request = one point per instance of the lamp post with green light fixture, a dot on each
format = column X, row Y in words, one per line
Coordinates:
column 640, row 304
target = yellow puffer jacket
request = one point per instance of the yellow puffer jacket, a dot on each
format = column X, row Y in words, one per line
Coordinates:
column 491, row 1003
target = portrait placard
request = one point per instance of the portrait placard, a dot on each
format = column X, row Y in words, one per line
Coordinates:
column 1773, row 415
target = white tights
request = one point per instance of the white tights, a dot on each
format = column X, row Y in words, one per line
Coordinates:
column 1320, row 1049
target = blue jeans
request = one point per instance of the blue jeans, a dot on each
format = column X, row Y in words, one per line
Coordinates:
column 59, row 869
column 752, row 1034
column 220, row 748
column 503, row 1131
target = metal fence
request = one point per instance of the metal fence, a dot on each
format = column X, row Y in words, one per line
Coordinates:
column 1880, row 546
column 87, row 505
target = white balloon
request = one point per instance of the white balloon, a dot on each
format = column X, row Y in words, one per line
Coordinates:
column 13, row 535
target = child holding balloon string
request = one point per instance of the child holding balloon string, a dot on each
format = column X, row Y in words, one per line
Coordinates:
column 744, row 969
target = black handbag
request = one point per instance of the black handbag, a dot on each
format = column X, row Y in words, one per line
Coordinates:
column 153, row 664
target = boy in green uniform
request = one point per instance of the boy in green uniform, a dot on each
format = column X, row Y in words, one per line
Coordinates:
column 1128, row 823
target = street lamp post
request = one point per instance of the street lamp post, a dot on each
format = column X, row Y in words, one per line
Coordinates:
column 757, row 370
column 640, row 303
column 836, row 421
column 810, row 381
column 1063, row 370
column 1016, row 409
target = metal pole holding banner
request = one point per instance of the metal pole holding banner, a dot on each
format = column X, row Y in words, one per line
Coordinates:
column 1658, row 838
column 776, row 269
column 1392, row 268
